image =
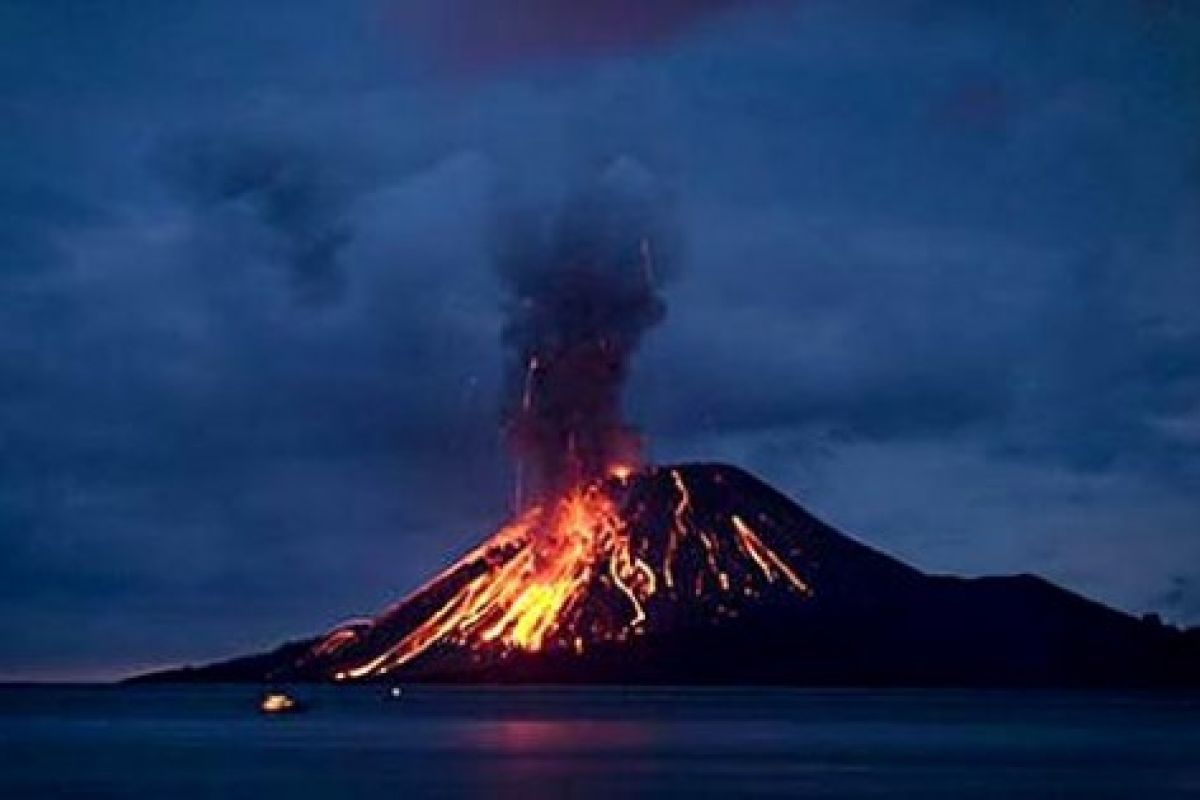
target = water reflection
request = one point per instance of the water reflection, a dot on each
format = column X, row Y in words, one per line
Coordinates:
column 527, row 737
column 559, row 758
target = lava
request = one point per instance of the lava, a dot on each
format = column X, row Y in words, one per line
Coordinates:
column 765, row 557
column 568, row 574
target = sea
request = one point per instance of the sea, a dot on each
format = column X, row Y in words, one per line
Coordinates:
column 612, row 743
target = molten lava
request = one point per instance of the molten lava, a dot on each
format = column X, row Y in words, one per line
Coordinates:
column 606, row 561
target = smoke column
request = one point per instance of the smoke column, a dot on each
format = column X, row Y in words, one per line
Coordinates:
column 583, row 282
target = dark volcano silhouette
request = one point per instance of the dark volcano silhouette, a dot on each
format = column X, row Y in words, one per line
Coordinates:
column 830, row 612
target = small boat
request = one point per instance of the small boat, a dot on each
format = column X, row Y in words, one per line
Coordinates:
column 279, row 703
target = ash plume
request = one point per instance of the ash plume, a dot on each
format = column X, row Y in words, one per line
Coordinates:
column 583, row 283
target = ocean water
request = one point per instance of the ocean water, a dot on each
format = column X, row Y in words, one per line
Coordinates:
column 356, row 742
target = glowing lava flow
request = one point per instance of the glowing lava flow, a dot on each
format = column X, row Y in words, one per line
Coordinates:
column 764, row 556
column 567, row 574
column 519, row 602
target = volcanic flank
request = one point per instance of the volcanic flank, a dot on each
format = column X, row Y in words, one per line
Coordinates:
column 611, row 570
column 702, row 574
column 594, row 569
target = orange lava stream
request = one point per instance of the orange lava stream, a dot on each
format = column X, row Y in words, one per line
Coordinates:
column 677, row 532
column 535, row 575
column 765, row 557
column 519, row 603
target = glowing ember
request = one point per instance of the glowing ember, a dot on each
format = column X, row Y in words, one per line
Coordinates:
column 621, row 472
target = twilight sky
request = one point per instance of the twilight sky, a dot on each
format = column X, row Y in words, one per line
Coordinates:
column 938, row 279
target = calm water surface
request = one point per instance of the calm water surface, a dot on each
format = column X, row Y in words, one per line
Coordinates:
column 613, row 743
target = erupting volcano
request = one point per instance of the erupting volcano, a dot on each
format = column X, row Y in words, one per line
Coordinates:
column 597, row 566
column 613, row 570
column 601, row 549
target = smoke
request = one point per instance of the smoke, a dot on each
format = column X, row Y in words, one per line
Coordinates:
column 482, row 34
column 583, row 288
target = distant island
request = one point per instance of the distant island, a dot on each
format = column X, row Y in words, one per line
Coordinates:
column 702, row 574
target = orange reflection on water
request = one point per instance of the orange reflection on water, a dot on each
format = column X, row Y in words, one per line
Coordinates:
column 531, row 737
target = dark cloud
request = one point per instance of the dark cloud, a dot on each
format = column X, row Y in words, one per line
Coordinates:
column 1105, row 371
column 297, row 201
column 1183, row 596
column 478, row 35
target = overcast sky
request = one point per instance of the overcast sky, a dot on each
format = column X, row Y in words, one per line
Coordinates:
column 938, row 279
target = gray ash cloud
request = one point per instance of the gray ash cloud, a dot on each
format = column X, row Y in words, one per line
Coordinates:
column 583, row 283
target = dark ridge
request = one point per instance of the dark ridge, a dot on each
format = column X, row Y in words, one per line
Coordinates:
column 257, row 667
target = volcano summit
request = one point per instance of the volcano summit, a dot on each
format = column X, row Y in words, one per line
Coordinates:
column 702, row 574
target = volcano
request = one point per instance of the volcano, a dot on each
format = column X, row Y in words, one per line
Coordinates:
column 702, row 574
column 614, row 572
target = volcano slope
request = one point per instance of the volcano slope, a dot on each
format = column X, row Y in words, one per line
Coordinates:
column 702, row 574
